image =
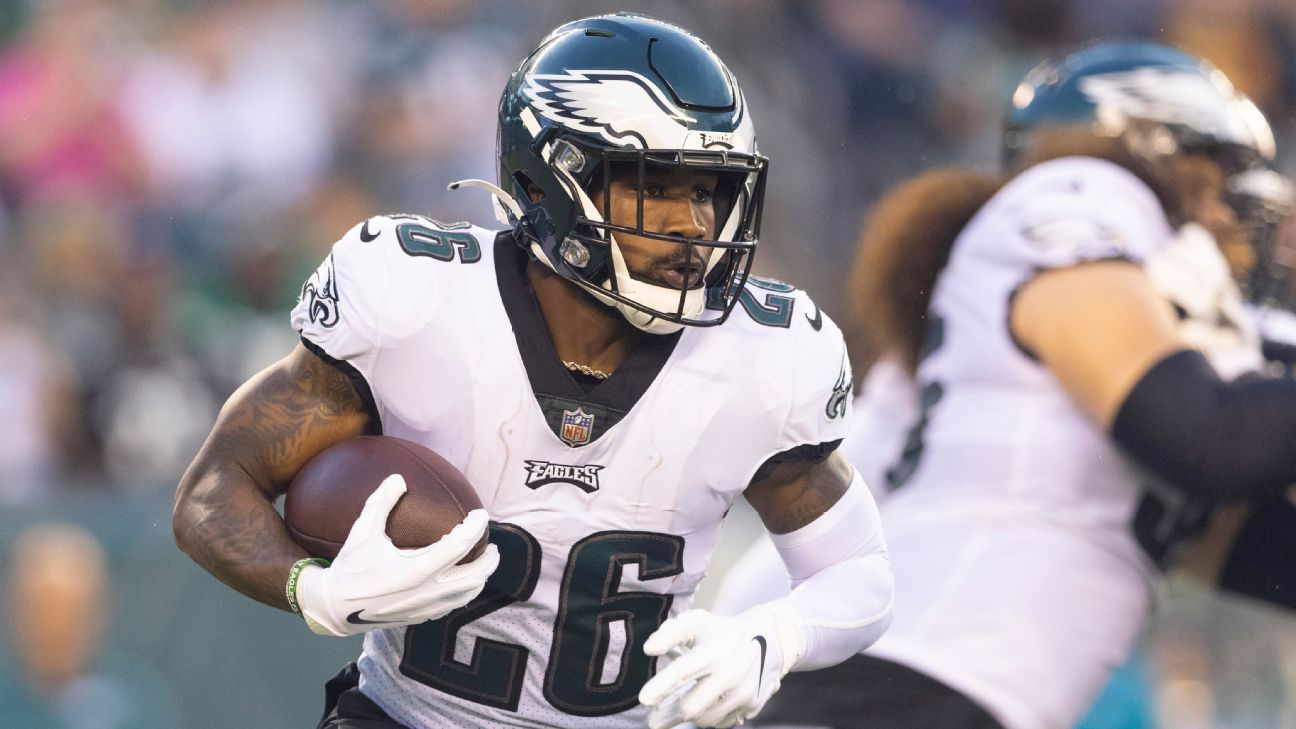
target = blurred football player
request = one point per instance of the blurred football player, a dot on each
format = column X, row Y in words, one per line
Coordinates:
column 1086, row 396
column 609, row 377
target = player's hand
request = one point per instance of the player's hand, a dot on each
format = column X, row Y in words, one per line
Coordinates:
column 724, row 671
column 372, row 584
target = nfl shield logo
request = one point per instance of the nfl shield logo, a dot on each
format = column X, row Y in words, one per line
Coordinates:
column 576, row 427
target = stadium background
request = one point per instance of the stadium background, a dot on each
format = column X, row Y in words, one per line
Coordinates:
column 170, row 170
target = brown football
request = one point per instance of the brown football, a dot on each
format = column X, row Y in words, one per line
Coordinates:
column 328, row 493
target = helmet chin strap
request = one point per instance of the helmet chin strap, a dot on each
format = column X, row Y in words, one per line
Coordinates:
column 650, row 295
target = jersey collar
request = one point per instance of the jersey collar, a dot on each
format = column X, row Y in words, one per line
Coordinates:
column 556, row 389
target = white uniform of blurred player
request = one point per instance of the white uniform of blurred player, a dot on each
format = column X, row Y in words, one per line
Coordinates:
column 1034, row 499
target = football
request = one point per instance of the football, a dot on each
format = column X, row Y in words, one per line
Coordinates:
column 328, row 493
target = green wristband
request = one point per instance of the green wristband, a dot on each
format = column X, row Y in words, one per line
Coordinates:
column 290, row 589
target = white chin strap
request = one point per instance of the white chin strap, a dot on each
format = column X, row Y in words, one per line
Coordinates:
column 657, row 297
column 660, row 297
column 652, row 296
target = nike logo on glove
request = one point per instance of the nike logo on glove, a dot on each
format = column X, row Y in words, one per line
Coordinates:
column 355, row 619
column 816, row 323
column 760, row 639
column 366, row 236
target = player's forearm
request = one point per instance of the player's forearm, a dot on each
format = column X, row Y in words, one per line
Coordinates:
column 1214, row 439
column 841, row 610
column 277, row 421
column 841, row 600
column 225, row 523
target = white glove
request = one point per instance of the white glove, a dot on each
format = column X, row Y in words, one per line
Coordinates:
column 725, row 668
column 372, row 584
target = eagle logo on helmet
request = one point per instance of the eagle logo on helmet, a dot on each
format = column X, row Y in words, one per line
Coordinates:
column 623, row 107
column 1166, row 95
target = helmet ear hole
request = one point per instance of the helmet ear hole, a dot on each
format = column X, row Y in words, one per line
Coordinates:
column 534, row 192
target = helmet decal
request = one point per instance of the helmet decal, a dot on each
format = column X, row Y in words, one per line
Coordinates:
column 1164, row 94
column 621, row 106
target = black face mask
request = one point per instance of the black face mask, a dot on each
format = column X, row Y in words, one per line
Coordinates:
column 739, row 189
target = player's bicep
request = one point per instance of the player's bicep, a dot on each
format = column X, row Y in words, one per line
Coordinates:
column 285, row 415
column 1098, row 327
column 793, row 491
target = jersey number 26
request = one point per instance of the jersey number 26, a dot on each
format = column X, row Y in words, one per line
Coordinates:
column 590, row 604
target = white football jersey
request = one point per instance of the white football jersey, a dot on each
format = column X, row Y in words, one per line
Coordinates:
column 884, row 409
column 605, row 504
column 1025, row 545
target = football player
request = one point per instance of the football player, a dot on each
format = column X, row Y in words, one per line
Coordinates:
column 609, row 377
column 1087, row 403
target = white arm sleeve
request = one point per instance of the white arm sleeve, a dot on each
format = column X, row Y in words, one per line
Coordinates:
column 841, row 578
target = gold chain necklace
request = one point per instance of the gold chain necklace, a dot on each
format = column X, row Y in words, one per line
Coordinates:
column 585, row 370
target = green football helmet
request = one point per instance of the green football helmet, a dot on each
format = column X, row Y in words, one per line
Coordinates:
column 617, row 95
column 1163, row 102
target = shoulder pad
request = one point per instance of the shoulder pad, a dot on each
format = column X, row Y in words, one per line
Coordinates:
column 815, row 377
column 384, row 279
column 1077, row 209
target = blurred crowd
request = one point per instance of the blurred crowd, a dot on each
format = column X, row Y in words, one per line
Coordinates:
column 171, row 170
column 56, row 586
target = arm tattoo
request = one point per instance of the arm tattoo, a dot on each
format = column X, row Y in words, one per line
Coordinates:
column 284, row 414
column 224, row 512
column 794, row 492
